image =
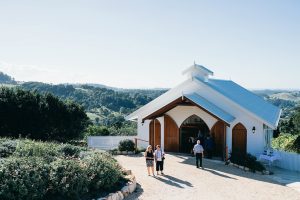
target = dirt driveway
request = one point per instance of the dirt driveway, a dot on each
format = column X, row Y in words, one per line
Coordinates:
column 217, row 181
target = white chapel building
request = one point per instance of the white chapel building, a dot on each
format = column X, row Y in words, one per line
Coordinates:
column 237, row 120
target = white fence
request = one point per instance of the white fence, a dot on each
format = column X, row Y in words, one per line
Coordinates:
column 288, row 160
column 106, row 142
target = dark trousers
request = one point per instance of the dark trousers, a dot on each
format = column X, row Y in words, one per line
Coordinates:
column 198, row 159
column 209, row 153
column 159, row 166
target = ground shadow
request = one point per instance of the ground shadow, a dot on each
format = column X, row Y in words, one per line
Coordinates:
column 218, row 168
column 173, row 181
column 218, row 174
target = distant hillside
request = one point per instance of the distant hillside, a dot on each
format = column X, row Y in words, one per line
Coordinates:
column 103, row 105
column 286, row 100
column 6, row 79
column 289, row 96
column 106, row 104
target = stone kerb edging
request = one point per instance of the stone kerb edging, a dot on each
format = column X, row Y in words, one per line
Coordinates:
column 126, row 190
column 265, row 172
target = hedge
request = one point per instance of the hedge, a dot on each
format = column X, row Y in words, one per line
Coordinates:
column 43, row 170
column 126, row 145
column 247, row 160
column 287, row 142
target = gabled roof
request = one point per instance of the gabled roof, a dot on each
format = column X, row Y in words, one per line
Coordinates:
column 243, row 98
column 256, row 105
column 210, row 107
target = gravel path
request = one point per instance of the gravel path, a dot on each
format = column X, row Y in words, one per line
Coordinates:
column 217, row 181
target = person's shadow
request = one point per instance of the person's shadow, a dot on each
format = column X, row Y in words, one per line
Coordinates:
column 170, row 180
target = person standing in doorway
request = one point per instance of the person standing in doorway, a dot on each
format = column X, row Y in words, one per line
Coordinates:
column 198, row 151
column 149, row 155
column 200, row 137
column 159, row 156
column 209, row 146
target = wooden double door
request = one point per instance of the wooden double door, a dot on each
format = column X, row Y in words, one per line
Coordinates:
column 171, row 137
column 239, row 140
column 218, row 134
column 154, row 133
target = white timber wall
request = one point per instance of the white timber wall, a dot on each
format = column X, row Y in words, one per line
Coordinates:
column 106, row 142
column 288, row 160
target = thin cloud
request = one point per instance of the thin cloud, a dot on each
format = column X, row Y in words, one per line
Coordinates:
column 38, row 73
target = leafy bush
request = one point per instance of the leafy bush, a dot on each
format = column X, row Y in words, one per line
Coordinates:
column 94, row 130
column 45, row 150
column 126, row 145
column 68, row 179
column 294, row 146
column 42, row 170
column 252, row 163
column 247, row 160
column 103, row 171
column 287, row 142
column 7, row 147
column 23, row 178
column 70, row 150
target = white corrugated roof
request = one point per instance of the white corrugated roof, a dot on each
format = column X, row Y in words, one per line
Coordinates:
column 212, row 108
column 246, row 99
column 250, row 102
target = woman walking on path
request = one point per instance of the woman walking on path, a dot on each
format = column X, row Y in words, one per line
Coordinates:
column 149, row 155
column 159, row 160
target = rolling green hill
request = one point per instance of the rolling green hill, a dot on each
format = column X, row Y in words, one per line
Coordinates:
column 108, row 105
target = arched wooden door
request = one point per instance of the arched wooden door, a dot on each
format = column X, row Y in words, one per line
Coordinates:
column 154, row 133
column 218, row 135
column 239, row 140
column 171, row 139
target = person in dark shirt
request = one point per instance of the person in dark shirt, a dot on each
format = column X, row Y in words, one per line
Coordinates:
column 149, row 155
column 209, row 146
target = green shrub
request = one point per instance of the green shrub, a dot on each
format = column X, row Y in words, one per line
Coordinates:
column 103, row 171
column 70, row 150
column 282, row 141
column 252, row 163
column 46, row 150
column 126, row 145
column 294, row 146
column 247, row 160
column 41, row 170
column 7, row 147
column 68, row 179
column 287, row 142
column 94, row 130
column 23, row 178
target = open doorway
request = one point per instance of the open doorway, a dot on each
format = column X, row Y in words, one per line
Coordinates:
column 192, row 129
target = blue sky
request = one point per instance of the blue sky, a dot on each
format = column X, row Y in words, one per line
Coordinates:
column 147, row 44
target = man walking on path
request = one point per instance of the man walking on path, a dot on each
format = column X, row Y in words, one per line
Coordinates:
column 198, row 151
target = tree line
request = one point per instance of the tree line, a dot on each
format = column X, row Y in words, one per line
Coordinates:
column 40, row 116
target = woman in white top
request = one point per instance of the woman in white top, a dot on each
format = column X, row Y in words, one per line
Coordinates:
column 159, row 156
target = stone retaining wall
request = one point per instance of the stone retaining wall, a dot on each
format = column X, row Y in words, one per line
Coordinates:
column 125, row 191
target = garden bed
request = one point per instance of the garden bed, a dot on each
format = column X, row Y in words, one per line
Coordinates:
column 45, row 170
